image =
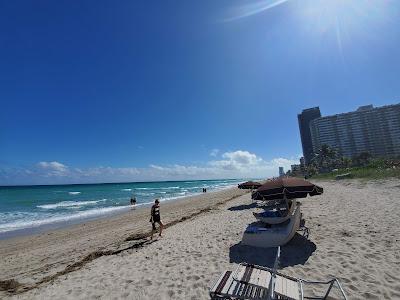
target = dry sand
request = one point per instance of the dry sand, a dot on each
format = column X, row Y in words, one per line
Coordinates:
column 355, row 236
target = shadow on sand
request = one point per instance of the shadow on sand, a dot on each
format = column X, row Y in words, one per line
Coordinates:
column 296, row 252
column 243, row 206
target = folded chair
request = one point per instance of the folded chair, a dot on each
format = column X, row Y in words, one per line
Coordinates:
column 256, row 282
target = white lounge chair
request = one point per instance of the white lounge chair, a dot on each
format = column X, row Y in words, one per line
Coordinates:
column 275, row 235
column 256, row 282
column 275, row 215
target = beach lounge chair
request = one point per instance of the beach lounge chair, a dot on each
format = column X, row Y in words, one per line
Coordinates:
column 256, row 282
column 276, row 214
column 259, row 235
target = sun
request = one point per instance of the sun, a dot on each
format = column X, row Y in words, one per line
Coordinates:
column 346, row 22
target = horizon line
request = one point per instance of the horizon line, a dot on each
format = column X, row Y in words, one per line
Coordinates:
column 122, row 182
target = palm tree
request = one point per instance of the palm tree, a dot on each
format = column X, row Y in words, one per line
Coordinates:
column 326, row 158
column 345, row 162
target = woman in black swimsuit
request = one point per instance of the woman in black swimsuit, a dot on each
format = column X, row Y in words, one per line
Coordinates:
column 155, row 217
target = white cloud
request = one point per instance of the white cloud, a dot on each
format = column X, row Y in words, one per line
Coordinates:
column 242, row 157
column 52, row 165
column 234, row 164
column 53, row 168
column 246, row 164
column 214, row 152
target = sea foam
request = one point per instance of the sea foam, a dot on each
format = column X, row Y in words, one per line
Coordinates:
column 37, row 220
column 69, row 204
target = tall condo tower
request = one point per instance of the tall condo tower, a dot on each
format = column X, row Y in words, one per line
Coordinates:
column 306, row 116
column 375, row 130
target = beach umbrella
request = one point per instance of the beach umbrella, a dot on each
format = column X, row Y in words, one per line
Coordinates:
column 290, row 187
column 249, row 185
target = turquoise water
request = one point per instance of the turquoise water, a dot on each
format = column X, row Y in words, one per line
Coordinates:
column 30, row 207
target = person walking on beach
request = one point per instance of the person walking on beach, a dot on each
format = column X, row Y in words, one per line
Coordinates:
column 156, row 218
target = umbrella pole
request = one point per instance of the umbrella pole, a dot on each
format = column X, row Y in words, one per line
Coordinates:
column 286, row 200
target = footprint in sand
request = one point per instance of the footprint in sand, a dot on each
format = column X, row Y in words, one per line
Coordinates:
column 352, row 287
column 353, row 278
column 369, row 296
column 197, row 285
column 345, row 280
column 147, row 282
column 370, row 255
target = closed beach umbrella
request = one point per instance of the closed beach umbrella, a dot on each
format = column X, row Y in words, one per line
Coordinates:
column 249, row 185
column 290, row 187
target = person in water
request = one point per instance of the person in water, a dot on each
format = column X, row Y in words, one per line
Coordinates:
column 133, row 201
column 155, row 217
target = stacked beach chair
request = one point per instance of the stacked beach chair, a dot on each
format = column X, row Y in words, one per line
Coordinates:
column 277, row 225
column 257, row 282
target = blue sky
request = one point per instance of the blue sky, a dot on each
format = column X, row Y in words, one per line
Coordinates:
column 96, row 91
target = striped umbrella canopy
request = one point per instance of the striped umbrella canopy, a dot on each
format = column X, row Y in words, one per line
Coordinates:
column 249, row 185
column 290, row 187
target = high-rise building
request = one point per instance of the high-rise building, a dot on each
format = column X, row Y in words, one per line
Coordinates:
column 295, row 168
column 306, row 116
column 368, row 129
column 302, row 163
column 281, row 172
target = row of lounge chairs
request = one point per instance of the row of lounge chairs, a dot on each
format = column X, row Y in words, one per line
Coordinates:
column 277, row 225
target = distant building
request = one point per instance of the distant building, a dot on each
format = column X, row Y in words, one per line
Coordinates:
column 295, row 169
column 302, row 166
column 302, row 163
column 368, row 129
column 306, row 116
column 281, row 172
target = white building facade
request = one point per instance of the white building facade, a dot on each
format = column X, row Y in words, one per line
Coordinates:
column 368, row 129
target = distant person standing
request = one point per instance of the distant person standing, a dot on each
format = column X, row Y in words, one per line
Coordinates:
column 133, row 201
column 156, row 218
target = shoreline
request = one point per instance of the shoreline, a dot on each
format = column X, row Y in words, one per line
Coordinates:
column 80, row 219
column 50, row 253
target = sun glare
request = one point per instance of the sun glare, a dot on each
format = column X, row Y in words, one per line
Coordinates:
column 343, row 20
column 250, row 9
column 346, row 21
column 323, row 16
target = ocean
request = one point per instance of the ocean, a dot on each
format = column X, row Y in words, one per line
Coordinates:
column 35, row 208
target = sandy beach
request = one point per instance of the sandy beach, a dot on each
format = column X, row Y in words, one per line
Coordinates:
column 354, row 236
